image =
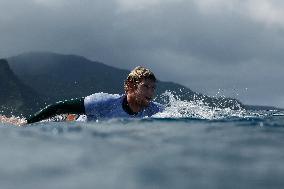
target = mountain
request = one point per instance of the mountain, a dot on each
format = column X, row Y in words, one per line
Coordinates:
column 16, row 98
column 59, row 77
column 66, row 76
column 258, row 107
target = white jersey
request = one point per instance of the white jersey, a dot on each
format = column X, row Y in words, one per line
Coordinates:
column 103, row 105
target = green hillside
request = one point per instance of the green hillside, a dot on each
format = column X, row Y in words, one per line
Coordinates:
column 16, row 98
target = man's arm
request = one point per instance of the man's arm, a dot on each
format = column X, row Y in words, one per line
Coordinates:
column 74, row 106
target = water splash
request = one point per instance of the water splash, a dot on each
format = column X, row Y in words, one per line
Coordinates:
column 198, row 109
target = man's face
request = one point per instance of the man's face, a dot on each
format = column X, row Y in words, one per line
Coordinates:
column 144, row 92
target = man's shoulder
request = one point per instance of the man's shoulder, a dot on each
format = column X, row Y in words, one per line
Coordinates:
column 100, row 102
column 100, row 98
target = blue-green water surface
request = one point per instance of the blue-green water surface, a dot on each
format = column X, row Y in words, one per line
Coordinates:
column 148, row 153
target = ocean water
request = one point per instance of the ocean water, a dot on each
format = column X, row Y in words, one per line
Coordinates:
column 189, row 145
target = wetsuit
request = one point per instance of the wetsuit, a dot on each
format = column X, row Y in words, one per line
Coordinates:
column 98, row 105
column 74, row 106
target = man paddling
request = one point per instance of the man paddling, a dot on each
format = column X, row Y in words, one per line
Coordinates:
column 137, row 102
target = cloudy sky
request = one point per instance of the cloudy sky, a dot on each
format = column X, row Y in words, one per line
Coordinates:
column 218, row 47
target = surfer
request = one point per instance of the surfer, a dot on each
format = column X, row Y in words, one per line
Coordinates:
column 137, row 102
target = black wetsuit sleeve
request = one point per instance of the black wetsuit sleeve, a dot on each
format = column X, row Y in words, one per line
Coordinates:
column 74, row 106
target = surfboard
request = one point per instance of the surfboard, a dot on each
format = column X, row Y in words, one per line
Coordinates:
column 65, row 117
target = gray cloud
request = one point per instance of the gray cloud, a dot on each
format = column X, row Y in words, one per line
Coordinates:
column 235, row 46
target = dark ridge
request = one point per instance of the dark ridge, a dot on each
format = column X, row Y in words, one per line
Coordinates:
column 16, row 98
column 258, row 107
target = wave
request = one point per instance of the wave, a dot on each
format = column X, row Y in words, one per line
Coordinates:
column 179, row 110
column 199, row 109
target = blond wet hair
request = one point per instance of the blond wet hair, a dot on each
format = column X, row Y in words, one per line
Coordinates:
column 137, row 75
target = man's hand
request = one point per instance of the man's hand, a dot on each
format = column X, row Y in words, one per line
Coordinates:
column 13, row 120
